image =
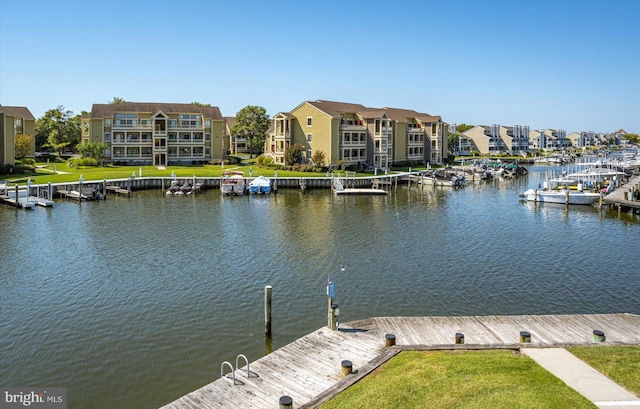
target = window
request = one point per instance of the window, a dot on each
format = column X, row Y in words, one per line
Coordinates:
column 147, row 151
column 126, row 120
column 309, row 153
column 207, row 136
column 309, row 121
column 309, row 137
column 107, row 122
column 207, row 123
column 133, row 151
column 107, row 136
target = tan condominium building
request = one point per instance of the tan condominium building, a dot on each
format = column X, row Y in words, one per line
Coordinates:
column 15, row 121
column 495, row 139
column 140, row 133
column 354, row 134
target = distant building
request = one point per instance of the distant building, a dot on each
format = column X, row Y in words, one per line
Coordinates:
column 237, row 144
column 140, row 133
column 14, row 121
column 587, row 139
column 350, row 133
column 496, row 139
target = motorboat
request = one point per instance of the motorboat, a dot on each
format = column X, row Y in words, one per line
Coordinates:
column 260, row 185
column 564, row 196
column 233, row 183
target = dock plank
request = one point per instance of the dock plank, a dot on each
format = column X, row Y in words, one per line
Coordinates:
column 308, row 369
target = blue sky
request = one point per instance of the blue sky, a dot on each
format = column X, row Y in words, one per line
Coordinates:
column 572, row 65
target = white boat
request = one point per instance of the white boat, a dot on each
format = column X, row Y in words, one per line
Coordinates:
column 549, row 160
column 260, row 185
column 233, row 183
column 564, row 196
column 442, row 177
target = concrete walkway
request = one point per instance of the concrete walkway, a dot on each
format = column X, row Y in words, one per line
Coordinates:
column 577, row 374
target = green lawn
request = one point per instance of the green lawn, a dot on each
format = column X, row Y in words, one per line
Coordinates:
column 620, row 363
column 464, row 379
column 45, row 172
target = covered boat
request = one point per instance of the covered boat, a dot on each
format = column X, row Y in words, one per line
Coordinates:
column 260, row 185
column 233, row 183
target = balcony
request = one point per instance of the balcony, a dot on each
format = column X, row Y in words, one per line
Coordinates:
column 352, row 127
column 132, row 124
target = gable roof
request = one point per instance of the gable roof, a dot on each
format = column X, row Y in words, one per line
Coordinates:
column 336, row 109
column 107, row 110
column 399, row 114
column 18, row 112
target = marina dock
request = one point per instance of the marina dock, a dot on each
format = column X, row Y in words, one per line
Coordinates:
column 626, row 196
column 309, row 370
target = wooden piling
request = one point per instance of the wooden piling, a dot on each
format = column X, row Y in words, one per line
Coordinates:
column 598, row 336
column 267, row 310
column 390, row 340
column 459, row 338
column 347, row 368
column 525, row 336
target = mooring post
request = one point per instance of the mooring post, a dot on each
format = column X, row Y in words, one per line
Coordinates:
column 347, row 368
column 267, row 310
column 286, row 402
column 17, row 201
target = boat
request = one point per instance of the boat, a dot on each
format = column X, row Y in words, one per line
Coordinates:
column 260, row 185
column 442, row 177
column 564, row 196
column 233, row 183
column 549, row 160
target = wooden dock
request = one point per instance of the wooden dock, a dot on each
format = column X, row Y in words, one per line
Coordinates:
column 309, row 369
column 619, row 197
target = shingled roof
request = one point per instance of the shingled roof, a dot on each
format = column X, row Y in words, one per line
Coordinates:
column 399, row 114
column 18, row 112
column 337, row 109
column 107, row 110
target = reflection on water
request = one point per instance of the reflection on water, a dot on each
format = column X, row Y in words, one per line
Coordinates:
column 134, row 302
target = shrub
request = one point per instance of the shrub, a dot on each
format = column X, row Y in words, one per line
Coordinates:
column 77, row 162
column 28, row 161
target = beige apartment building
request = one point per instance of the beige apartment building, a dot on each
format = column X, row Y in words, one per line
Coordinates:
column 14, row 121
column 354, row 134
column 496, row 139
column 140, row 133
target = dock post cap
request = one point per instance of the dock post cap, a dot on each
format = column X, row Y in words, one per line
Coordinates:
column 286, row 402
column 390, row 340
column 525, row 334
column 347, row 368
column 459, row 338
column 598, row 335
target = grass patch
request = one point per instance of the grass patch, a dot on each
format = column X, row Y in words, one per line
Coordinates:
column 45, row 172
column 619, row 363
column 459, row 379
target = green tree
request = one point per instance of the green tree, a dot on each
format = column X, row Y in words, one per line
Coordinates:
column 252, row 122
column 632, row 137
column 318, row 159
column 117, row 100
column 93, row 150
column 294, row 155
column 57, row 129
column 23, row 145
column 453, row 139
column 200, row 104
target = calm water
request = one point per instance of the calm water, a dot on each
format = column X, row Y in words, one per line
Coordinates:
column 131, row 303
